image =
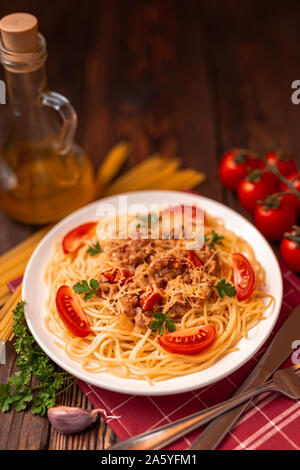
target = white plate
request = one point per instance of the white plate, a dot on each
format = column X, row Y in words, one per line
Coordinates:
column 35, row 292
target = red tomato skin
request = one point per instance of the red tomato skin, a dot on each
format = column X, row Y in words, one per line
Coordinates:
column 231, row 173
column 150, row 298
column 285, row 167
column 117, row 275
column 241, row 265
column 194, row 259
column 290, row 254
column 73, row 239
column 289, row 197
column 70, row 312
column 273, row 223
column 250, row 192
column 188, row 347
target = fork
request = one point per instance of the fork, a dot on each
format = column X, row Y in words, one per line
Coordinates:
column 285, row 381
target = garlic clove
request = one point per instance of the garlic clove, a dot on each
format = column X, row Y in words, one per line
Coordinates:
column 69, row 420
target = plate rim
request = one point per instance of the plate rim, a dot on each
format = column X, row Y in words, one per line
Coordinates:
column 148, row 391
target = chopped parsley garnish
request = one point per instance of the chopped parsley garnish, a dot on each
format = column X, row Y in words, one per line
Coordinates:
column 214, row 240
column 94, row 249
column 145, row 221
column 88, row 289
column 225, row 288
column 33, row 362
column 162, row 320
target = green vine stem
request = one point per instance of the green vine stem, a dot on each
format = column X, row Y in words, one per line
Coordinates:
column 273, row 169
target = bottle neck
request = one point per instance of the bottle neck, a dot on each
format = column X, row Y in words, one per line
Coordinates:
column 25, row 75
column 24, row 89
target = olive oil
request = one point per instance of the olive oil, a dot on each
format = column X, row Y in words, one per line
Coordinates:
column 40, row 186
column 44, row 175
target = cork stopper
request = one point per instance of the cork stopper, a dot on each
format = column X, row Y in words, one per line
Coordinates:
column 19, row 32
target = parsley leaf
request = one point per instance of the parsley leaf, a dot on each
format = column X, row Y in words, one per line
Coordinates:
column 85, row 288
column 225, row 288
column 162, row 320
column 146, row 221
column 214, row 240
column 94, row 249
column 33, row 362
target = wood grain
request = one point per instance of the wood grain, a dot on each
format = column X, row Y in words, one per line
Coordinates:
column 188, row 79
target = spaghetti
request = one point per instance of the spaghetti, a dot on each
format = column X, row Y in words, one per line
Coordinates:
column 122, row 341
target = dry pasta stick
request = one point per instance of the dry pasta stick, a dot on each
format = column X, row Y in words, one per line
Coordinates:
column 7, row 316
column 111, row 165
column 139, row 172
column 184, row 179
column 149, row 181
column 4, row 299
column 4, row 290
column 12, row 273
column 10, row 302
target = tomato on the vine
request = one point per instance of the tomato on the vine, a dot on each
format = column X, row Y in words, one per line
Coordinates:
column 289, row 197
column 290, row 249
column 255, row 187
column 274, row 217
column 283, row 161
column 235, row 165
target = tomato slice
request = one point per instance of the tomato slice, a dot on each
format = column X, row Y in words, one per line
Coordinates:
column 74, row 239
column 71, row 313
column 243, row 276
column 117, row 275
column 188, row 341
column 194, row 259
column 150, row 298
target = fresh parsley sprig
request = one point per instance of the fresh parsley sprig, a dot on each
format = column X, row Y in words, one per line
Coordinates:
column 18, row 393
column 94, row 249
column 225, row 288
column 146, row 221
column 215, row 239
column 89, row 289
column 162, row 320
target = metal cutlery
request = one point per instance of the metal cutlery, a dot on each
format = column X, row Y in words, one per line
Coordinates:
column 278, row 351
column 285, row 381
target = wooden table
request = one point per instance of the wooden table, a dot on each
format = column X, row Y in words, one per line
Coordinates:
column 188, row 79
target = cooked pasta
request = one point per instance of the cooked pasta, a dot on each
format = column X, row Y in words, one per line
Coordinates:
column 122, row 339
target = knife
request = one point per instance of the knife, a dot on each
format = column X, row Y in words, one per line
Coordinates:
column 278, row 351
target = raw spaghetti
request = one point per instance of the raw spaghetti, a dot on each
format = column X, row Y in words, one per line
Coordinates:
column 120, row 343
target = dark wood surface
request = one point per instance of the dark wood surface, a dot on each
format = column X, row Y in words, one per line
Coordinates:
column 188, row 79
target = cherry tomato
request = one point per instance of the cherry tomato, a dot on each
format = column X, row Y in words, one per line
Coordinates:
column 290, row 249
column 74, row 239
column 186, row 210
column 194, row 259
column 274, row 218
column 71, row 313
column 188, row 341
column 284, row 162
column 235, row 165
column 150, row 298
column 290, row 197
column 117, row 275
column 255, row 187
column 243, row 276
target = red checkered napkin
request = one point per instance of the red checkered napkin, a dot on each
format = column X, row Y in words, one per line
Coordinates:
column 272, row 422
